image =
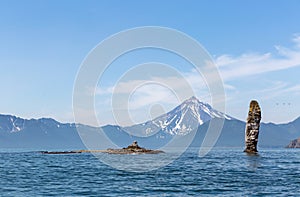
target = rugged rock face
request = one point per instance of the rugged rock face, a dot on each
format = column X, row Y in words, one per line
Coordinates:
column 252, row 127
column 134, row 148
column 294, row 144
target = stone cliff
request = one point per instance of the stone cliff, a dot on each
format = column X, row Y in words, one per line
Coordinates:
column 294, row 144
column 252, row 127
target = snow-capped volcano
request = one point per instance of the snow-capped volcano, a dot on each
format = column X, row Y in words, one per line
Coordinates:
column 179, row 121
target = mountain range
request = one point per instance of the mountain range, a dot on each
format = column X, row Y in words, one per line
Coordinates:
column 192, row 116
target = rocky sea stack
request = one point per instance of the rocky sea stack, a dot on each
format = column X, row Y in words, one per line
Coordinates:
column 294, row 144
column 252, row 127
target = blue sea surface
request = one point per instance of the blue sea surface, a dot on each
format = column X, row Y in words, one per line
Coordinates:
column 222, row 172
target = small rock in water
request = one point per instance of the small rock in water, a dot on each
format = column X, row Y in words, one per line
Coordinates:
column 294, row 144
column 252, row 127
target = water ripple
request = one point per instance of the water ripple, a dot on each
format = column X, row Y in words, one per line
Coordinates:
column 274, row 172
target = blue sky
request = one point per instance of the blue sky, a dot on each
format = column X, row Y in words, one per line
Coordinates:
column 256, row 45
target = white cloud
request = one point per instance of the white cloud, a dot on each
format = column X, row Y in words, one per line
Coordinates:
column 229, row 87
column 283, row 89
column 232, row 68
column 149, row 94
column 295, row 88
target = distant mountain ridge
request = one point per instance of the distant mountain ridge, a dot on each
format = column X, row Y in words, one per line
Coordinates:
column 47, row 133
column 41, row 133
column 12, row 124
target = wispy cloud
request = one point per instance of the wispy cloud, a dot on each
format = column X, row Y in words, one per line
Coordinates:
column 231, row 68
column 157, row 89
column 283, row 89
column 295, row 88
column 149, row 94
column 247, row 64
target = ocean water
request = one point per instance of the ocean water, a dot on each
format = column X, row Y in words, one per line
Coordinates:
column 222, row 172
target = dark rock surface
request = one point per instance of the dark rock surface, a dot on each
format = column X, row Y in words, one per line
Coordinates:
column 59, row 152
column 252, row 127
column 294, row 144
column 134, row 148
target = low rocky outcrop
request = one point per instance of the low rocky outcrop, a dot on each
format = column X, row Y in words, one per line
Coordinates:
column 59, row 152
column 134, row 148
column 294, row 144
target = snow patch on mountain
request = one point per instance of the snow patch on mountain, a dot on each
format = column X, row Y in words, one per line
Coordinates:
column 16, row 124
column 179, row 121
column 187, row 116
